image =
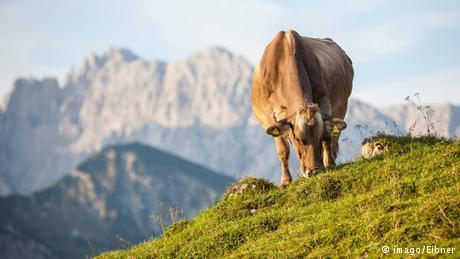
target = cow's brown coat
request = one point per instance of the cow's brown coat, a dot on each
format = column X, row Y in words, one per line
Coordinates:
column 294, row 74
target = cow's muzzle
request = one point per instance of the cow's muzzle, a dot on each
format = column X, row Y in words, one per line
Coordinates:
column 313, row 171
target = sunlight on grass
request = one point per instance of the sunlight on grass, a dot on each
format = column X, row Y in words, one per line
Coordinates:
column 410, row 196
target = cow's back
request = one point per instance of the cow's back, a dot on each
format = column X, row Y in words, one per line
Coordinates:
column 337, row 72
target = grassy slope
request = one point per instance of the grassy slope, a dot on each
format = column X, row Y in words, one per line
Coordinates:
column 408, row 197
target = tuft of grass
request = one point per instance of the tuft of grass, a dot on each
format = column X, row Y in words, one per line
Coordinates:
column 408, row 197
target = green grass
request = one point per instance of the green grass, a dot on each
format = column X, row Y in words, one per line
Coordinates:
column 409, row 197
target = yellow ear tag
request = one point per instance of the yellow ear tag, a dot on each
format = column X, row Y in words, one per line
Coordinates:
column 335, row 132
column 276, row 132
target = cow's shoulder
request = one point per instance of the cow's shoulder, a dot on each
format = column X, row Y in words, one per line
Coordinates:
column 281, row 49
column 285, row 42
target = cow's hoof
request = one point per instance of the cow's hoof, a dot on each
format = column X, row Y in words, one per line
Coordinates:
column 330, row 166
column 285, row 183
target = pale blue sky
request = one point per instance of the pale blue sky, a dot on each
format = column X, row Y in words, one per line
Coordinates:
column 397, row 47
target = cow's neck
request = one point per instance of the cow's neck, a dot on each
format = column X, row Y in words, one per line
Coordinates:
column 296, row 85
column 295, row 98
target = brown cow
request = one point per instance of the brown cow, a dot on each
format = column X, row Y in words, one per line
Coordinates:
column 300, row 94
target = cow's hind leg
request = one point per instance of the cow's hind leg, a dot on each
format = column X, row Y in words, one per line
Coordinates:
column 282, row 148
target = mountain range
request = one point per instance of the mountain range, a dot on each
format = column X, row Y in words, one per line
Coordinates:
column 197, row 108
column 118, row 197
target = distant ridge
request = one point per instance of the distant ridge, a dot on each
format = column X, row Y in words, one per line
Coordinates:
column 109, row 201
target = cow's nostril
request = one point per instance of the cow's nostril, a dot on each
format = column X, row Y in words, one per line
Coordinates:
column 317, row 169
column 313, row 171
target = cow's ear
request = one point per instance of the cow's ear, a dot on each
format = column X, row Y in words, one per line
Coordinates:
column 339, row 123
column 279, row 129
column 334, row 126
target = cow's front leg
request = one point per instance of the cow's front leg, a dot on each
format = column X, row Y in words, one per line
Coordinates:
column 329, row 143
column 328, row 158
column 282, row 148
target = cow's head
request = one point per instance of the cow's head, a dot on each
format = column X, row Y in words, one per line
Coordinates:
column 306, row 129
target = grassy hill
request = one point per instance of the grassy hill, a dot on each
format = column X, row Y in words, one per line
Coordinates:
column 409, row 197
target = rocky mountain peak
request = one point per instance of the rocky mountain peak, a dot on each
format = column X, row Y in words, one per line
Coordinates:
column 94, row 62
column 120, row 55
column 214, row 52
column 29, row 95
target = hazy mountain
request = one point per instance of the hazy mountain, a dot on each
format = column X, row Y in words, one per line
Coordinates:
column 46, row 128
column 197, row 108
column 363, row 120
column 107, row 202
column 445, row 118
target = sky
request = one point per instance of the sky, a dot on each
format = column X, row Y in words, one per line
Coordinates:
column 398, row 47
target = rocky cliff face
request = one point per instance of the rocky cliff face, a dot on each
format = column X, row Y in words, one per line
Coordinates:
column 109, row 201
column 197, row 108
column 32, row 141
column 117, row 97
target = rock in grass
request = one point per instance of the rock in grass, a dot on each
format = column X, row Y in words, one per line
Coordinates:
column 374, row 146
column 248, row 184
